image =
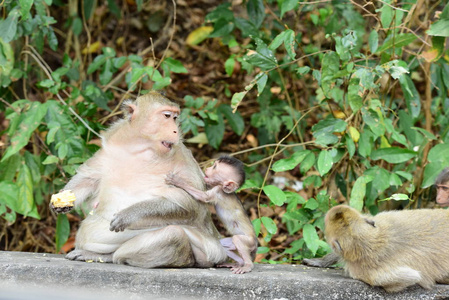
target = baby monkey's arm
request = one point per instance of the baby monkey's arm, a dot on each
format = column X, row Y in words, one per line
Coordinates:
column 204, row 196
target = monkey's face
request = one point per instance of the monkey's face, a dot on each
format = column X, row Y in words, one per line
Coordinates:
column 161, row 128
column 442, row 195
column 221, row 174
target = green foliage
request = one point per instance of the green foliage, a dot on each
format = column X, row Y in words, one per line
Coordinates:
column 367, row 127
column 349, row 106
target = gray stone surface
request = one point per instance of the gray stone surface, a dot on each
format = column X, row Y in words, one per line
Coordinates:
column 47, row 276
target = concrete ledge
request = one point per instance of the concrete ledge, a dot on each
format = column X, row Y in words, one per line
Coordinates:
column 47, row 276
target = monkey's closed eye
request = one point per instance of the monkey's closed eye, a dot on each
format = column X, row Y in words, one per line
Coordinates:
column 371, row 222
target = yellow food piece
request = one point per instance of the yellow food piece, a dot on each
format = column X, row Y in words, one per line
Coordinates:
column 63, row 199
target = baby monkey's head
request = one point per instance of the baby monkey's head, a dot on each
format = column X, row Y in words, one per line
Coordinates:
column 226, row 171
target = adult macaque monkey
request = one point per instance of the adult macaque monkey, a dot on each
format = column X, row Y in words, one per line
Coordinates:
column 223, row 179
column 139, row 219
column 394, row 249
column 442, row 198
column 442, row 185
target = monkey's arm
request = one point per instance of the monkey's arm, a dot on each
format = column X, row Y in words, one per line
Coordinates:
column 156, row 212
column 85, row 182
column 204, row 196
column 323, row 262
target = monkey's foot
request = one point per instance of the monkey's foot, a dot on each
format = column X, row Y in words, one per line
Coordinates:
column 87, row 256
column 228, row 265
column 242, row 270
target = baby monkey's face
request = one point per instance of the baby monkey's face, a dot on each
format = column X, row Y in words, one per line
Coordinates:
column 219, row 173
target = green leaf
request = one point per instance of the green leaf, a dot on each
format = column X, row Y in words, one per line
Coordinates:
column 175, row 65
column 215, row 131
column 438, row 159
column 236, row 99
column 222, row 28
column 373, row 41
column 6, row 58
column 62, row 231
column 397, row 197
column 428, row 135
column 263, row 57
column 397, row 41
column 256, row 12
column 9, row 167
column 26, row 205
column 289, row 43
column 439, row 28
column 324, row 129
column 51, row 159
column 10, row 195
column 261, row 80
column 358, row 192
column 411, row 95
column 30, row 121
column 375, row 123
column 288, row 5
column 303, row 70
column 311, row 204
column 355, row 101
column 269, row 225
column 96, row 64
column 324, row 163
column 393, row 155
column 330, row 65
column 307, row 163
column 310, row 237
column 25, row 7
column 257, row 225
column 276, row 195
column 229, row 65
column 235, row 120
column 290, row 163
column 8, row 27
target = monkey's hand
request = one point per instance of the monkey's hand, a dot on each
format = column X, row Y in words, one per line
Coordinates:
column 60, row 210
column 172, row 179
column 120, row 221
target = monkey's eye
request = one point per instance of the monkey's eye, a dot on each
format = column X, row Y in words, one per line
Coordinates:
column 444, row 188
column 175, row 116
column 167, row 114
column 371, row 222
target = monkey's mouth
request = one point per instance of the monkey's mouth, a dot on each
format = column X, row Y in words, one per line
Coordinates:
column 167, row 144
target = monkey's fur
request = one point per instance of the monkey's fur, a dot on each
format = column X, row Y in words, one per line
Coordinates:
column 393, row 249
column 137, row 219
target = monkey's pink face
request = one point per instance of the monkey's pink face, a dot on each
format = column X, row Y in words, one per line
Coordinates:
column 442, row 195
column 163, row 128
column 218, row 174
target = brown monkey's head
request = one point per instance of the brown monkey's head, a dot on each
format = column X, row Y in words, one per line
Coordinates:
column 442, row 185
column 155, row 119
column 347, row 231
column 226, row 171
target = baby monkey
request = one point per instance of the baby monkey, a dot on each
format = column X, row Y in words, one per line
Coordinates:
column 223, row 179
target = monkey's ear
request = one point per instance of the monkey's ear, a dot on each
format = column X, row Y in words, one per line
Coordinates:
column 130, row 109
column 371, row 222
column 230, row 186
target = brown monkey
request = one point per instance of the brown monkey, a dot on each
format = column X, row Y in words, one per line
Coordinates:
column 224, row 178
column 140, row 220
column 393, row 249
column 442, row 185
column 442, row 198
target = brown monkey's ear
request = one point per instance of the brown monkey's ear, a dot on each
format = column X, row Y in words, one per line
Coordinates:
column 230, row 186
column 130, row 109
column 371, row 222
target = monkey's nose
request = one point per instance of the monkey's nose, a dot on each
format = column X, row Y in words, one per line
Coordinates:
column 174, row 131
